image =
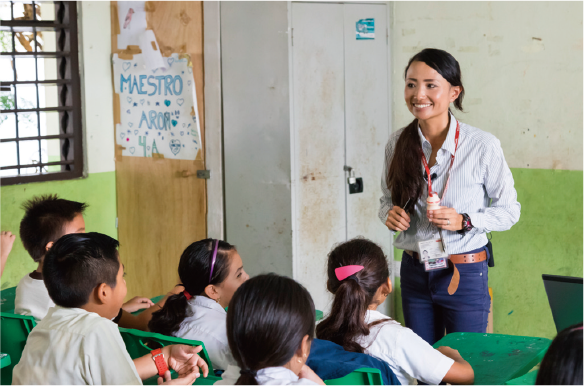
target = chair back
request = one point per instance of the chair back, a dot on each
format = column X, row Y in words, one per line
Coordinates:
column 13, row 335
column 364, row 376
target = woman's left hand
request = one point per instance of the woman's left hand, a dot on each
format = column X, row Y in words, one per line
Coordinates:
column 445, row 218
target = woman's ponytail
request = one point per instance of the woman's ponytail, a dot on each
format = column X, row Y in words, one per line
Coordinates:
column 354, row 294
column 167, row 320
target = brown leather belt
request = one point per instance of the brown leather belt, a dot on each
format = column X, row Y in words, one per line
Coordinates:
column 457, row 259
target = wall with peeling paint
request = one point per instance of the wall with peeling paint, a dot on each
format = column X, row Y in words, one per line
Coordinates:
column 522, row 71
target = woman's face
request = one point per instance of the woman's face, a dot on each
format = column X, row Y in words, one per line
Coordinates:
column 427, row 93
column 236, row 277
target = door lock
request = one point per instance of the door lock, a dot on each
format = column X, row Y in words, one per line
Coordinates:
column 355, row 184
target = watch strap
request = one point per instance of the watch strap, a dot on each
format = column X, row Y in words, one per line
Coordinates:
column 466, row 224
column 159, row 361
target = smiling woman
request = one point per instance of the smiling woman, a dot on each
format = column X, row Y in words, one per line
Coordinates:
column 420, row 161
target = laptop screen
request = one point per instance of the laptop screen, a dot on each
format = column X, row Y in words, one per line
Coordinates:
column 566, row 299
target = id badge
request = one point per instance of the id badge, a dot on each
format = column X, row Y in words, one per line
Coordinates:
column 432, row 249
column 435, row 264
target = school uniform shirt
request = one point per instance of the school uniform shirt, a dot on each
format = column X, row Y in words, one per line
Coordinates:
column 409, row 356
column 208, row 323
column 481, row 186
column 268, row 376
column 32, row 297
column 71, row 346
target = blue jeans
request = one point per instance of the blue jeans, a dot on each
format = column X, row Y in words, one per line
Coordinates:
column 428, row 308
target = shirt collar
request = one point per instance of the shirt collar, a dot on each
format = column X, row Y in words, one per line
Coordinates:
column 203, row 301
column 278, row 373
column 448, row 144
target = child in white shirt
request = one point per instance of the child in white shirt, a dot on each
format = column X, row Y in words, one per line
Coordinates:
column 210, row 270
column 358, row 276
column 77, row 343
column 46, row 219
column 270, row 326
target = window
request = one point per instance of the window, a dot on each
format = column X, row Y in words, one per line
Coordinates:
column 40, row 121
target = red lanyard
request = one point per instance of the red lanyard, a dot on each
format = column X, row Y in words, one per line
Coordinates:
column 451, row 162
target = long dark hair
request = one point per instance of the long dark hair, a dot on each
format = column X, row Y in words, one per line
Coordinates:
column 562, row 364
column 267, row 319
column 405, row 177
column 194, row 269
column 354, row 294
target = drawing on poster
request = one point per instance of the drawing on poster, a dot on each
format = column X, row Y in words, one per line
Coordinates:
column 365, row 29
column 160, row 114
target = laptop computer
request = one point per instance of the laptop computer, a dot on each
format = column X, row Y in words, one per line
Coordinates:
column 566, row 299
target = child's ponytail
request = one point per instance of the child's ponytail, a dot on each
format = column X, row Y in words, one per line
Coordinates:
column 353, row 294
column 167, row 320
column 194, row 270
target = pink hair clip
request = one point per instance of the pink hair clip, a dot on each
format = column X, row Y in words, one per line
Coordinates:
column 344, row 272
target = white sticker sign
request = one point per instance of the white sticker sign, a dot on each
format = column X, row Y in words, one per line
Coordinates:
column 158, row 108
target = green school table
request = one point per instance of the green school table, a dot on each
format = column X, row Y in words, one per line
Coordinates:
column 527, row 379
column 4, row 360
column 497, row 358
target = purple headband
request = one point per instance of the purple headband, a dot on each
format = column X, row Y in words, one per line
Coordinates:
column 213, row 260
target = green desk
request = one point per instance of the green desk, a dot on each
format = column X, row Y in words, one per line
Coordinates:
column 527, row 379
column 497, row 358
column 4, row 360
column 7, row 297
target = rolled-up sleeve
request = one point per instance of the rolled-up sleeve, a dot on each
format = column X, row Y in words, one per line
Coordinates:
column 499, row 185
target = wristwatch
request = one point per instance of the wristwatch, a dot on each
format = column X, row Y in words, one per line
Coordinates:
column 466, row 224
column 159, row 361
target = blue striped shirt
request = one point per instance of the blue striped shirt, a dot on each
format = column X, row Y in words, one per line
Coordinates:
column 480, row 176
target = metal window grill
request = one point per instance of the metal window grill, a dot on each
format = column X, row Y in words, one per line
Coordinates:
column 40, row 121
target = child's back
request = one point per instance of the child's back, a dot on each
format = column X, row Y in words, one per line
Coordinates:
column 74, row 346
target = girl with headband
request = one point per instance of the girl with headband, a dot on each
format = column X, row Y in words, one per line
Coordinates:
column 211, row 271
column 358, row 277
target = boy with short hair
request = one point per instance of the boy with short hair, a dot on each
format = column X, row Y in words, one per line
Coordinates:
column 76, row 342
column 46, row 219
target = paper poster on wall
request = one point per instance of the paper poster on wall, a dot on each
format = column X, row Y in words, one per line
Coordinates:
column 158, row 109
column 365, row 29
column 132, row 19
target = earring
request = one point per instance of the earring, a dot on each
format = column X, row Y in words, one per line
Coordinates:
column 299, row 360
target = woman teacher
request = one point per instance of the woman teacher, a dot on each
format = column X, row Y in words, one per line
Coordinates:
column 466, row 170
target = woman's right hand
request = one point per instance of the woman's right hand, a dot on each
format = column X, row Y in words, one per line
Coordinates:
column 397, row 219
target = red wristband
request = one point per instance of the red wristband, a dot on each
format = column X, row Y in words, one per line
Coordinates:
column 159, row 361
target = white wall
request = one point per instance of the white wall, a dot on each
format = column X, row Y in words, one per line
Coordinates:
column 522, row 70
column 95, row 60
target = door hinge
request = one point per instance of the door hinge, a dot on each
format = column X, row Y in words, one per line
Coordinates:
column 387, row 36
column 204, row 174
column 292, row 36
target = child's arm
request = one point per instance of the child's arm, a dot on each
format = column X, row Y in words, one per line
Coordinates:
column 6, row 241
column 181, row 358
column 461, row 373
column 140, row 322
column 137, row 303
column 307, row 373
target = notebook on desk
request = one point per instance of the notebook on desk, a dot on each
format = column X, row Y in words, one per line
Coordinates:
column 566, row 298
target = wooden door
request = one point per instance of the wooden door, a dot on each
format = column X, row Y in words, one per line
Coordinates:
column 161, row 204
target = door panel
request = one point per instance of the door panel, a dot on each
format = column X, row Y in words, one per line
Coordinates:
column 318, row 141
column 367, row 119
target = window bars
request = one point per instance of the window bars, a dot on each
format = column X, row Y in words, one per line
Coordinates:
column 40, row 121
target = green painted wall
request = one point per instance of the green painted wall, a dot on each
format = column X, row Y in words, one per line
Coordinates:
column 547, row 239
column 98, row 190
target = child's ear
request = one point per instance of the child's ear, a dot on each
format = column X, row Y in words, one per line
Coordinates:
column 102, row 293
column 389, row 285
column 304, row 348
column 48, row 246
column 211, row 292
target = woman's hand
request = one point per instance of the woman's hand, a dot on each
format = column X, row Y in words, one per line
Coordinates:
column 445, row 218
column 397, row 219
